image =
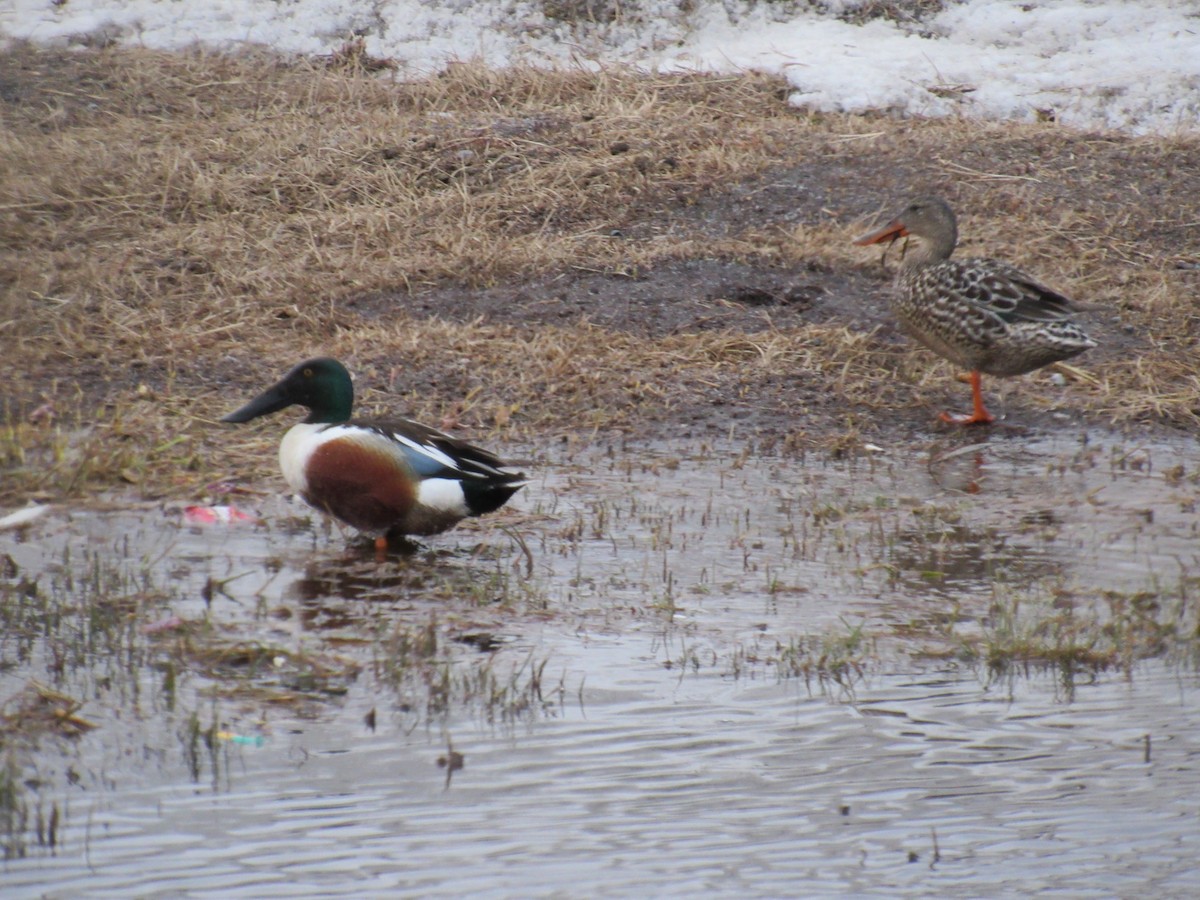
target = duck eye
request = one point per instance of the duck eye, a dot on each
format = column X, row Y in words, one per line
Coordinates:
column 308, row 373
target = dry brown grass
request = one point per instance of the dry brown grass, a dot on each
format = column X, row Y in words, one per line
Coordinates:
column 226, row 178
column 175, row 230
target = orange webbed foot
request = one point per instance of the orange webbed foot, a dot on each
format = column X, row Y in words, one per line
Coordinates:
column 980, row 416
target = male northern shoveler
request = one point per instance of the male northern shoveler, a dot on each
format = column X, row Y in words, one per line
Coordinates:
column 981, row 314
column 384, row 478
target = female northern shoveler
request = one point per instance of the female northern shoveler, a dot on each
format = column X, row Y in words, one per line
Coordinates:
column 983, row 315
column 384, row 478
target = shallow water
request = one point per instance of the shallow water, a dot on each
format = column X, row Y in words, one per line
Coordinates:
column 678, row 597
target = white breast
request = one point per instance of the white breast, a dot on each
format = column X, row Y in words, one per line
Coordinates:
column 295, row 450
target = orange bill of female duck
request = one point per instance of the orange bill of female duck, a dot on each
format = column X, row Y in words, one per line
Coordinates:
column 984, row 315
column 385, row 478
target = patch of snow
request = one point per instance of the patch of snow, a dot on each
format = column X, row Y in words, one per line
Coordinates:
column 1118, row 64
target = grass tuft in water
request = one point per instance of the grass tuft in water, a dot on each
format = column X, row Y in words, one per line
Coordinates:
column 1078, row 639
column 830, row 660
column 434, row 676
column 14, row 809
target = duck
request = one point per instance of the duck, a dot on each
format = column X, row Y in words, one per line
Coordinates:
column 386, row 478
column 982, row 314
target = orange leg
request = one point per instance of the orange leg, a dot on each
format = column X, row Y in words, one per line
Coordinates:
column 381, row 548
column 980, row 416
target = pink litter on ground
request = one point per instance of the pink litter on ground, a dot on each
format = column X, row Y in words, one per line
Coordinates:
column 216, row 515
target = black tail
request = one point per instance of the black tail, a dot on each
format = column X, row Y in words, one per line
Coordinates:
column 487, row 495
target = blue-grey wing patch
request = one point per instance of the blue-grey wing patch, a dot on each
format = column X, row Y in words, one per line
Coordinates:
column 426, row 459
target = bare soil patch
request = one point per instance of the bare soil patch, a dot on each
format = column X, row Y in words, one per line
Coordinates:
column 528, row 255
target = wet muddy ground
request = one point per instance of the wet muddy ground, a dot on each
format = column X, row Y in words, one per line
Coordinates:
column 962, row 669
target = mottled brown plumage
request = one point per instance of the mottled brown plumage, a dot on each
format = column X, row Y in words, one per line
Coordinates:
column 981, row 314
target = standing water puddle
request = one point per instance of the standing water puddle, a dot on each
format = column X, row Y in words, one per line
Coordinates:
column 670, row 671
